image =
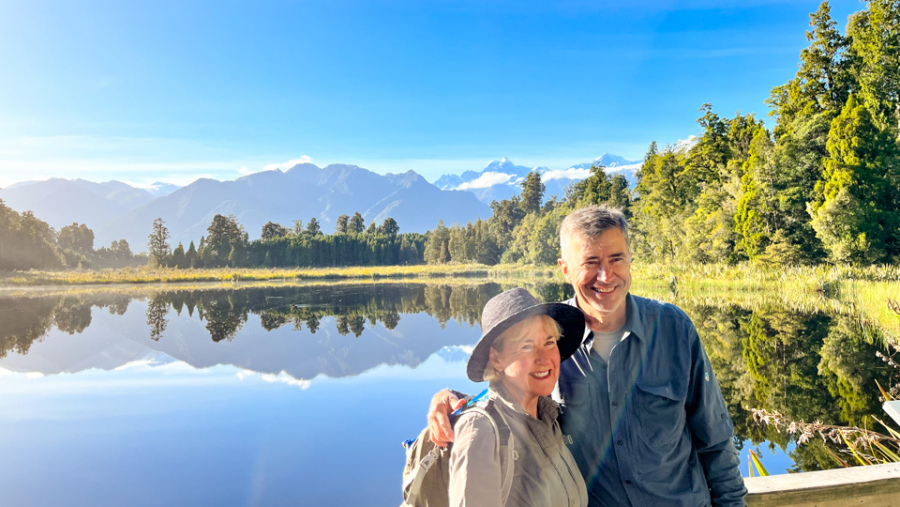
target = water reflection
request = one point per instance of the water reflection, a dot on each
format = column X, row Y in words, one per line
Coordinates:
column 809, row 365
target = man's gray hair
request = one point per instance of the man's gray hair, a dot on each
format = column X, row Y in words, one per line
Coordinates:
column 590, row 223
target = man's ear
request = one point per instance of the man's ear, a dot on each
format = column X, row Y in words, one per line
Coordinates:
column 563, row 267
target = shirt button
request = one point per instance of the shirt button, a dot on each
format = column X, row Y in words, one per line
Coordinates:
column 619, row 442
column 628, row 482
column 615, row 404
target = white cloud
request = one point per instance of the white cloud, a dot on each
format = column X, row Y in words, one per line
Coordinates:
column 486, row 180
column 304, row 159
column 34, row 375
column 570, row 173
column 284, row 378
column 686, row 144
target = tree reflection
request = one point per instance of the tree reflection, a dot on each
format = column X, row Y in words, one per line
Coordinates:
column 807, row 366
column 73, row 315
column 157, row 310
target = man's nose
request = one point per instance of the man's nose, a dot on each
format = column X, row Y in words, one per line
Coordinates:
column 604, row 273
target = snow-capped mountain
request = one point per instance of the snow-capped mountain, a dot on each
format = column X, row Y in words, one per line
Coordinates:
column 501, row 179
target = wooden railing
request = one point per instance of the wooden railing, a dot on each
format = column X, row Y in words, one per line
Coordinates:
column 872, row 486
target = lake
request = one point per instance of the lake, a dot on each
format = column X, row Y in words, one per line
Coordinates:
column 301, row 394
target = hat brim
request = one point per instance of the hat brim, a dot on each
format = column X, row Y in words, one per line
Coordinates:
column 569, row 318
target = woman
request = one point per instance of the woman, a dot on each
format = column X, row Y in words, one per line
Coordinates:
column 519, row 353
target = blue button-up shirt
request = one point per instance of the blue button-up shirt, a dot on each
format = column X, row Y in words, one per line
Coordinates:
column 650, row 427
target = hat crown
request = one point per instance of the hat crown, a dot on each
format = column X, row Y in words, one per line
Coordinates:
column 505, row 305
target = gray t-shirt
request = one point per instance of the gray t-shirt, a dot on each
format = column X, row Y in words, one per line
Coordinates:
column 605, row 341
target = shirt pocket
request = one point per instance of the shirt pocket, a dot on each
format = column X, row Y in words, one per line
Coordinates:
column 660, row 412
column 576, row 413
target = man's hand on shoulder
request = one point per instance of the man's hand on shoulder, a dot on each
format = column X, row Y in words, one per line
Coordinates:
column 442, row 404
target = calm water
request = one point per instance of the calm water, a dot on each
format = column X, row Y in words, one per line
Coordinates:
column 302, row 395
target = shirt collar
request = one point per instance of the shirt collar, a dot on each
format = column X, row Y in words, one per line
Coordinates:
column 634, row 325
column 546, row 406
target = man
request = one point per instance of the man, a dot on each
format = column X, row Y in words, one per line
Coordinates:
column 647, row 421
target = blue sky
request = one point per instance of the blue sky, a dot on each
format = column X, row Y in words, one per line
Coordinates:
column 144, row 91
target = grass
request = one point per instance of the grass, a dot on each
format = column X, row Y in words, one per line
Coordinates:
column 147, row 275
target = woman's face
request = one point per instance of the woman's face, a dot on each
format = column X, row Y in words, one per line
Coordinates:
column 530, row 365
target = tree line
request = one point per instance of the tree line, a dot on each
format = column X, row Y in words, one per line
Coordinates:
column 822, row 186
column 26, row 242
column 227, row 244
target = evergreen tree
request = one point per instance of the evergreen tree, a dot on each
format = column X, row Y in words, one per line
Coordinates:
column 456, row 244
column 158, row 245
column 342, row 224
column 875, row 47
column 191, row 259
column 532, row 195
column 437, row 246
column 313, row 228
column 272, row 230
column 853, row 210
column 179, row 260
column 225, row 243
column 757, row 214
column 357, row 224
column 389, row 227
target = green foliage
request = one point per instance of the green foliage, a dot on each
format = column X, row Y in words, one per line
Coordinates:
column 313, row 228
column 342, row 225
column 77, row 238
column 272, row 230
column 532, row 195
column 853, row 211
column 158, row 244
column 26, row 242
column 226, row 243
column 357, row 224
column 875, row 47
column 389, row 227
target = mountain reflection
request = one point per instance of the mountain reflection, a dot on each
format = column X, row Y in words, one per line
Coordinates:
column 808, row 365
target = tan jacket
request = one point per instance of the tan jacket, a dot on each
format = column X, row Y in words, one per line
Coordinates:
column 544, row 472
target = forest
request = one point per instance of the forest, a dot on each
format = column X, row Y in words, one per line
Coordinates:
column 820, row 186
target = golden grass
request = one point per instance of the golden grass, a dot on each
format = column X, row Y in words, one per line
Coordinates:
column 156, row 275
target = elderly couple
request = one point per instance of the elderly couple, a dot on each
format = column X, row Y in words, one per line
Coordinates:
column 640, row 419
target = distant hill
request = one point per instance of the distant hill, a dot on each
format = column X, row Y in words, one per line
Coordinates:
column 501, row 179
column 115, row 210
column 59, row 202
column 302, row 192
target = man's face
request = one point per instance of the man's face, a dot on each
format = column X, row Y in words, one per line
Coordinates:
column 600, row 272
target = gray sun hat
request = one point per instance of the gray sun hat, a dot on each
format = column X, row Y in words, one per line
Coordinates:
column 510, row 307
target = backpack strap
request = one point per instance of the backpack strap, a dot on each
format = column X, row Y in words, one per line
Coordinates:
column 412, row 483
column 505, row 444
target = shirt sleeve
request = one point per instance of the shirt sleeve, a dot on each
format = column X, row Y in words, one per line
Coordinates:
column 711, row 430
column 475, row 464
